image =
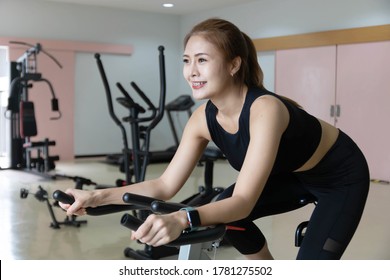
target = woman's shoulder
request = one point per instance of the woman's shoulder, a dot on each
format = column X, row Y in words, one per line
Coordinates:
column 198, row 118
column 202, row 114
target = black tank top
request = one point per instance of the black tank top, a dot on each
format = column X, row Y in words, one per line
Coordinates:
column 298, row 143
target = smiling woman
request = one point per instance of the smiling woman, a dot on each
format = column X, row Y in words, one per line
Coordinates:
column 283, row 154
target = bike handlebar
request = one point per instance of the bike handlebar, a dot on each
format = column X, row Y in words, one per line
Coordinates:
column 205, row 235
column 94, row 211
column 158, row 206
column 141, row 202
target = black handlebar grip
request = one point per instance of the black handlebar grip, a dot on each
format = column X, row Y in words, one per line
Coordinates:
column 136, row 199
column 63, row 197
column 97, row 211
column 158, row 206
column 131, row 222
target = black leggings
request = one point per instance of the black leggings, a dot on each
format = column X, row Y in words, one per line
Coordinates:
column 339, row 183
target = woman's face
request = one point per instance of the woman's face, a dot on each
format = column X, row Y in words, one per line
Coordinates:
column 205, row 68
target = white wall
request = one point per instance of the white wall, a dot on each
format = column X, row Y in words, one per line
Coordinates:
column 145, row 31
column 270, row 18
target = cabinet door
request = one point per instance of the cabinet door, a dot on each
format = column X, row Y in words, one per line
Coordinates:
column 363, row 92
column 308, row 76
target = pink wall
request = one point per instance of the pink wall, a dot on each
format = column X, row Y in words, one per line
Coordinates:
column 63, row 82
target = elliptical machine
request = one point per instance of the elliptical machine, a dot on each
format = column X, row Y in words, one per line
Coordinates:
column 137, row 159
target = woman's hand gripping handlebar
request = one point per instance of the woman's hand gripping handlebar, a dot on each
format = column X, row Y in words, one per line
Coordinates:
column 157, row 206
column 138, row 202
column 94, row 211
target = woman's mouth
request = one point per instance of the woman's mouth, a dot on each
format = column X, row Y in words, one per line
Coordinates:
column 197, row 85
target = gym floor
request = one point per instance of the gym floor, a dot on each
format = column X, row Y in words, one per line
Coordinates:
column 25, row 232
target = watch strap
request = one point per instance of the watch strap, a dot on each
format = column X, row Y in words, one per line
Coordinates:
column 193, row 218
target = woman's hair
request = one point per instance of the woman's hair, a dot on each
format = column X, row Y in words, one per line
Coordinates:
column 232, row 42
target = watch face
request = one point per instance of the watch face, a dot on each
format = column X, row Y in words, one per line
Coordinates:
column 194, row 219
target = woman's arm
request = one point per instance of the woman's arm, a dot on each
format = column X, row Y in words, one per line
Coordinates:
column 269, row 119
column 192, row 145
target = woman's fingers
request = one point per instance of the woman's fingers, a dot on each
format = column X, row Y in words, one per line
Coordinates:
column 157, row 230
column 77, row 207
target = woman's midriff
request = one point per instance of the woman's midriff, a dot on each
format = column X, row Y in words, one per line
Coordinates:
column 328, row 138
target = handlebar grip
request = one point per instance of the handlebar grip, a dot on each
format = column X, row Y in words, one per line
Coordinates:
column 63, row 197
column 137, row 199
column 131, row 222
column 158, row 206
column 96, row 211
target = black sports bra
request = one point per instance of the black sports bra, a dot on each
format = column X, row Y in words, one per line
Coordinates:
column 297, row 145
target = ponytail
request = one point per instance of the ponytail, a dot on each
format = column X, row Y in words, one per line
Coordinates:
column 253, row 75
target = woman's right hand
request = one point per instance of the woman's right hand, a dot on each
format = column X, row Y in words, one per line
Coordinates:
column 83, row 199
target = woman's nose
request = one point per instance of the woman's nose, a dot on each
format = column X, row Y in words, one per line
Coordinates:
column 194, row 71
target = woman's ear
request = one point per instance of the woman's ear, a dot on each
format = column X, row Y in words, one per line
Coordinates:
column 235, row 65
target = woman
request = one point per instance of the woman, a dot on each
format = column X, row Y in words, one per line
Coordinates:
column 280, row 151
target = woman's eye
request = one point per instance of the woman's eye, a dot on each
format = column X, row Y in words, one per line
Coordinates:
column 202, row 60
column 185, row 60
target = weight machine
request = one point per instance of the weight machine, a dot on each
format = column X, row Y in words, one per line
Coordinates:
column 23, row 122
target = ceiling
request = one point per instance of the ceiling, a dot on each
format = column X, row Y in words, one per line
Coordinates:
column 181, row 7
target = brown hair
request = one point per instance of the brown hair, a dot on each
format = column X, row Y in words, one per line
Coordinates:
column 233, row 43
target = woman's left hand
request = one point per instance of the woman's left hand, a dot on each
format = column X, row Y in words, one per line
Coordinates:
column 158, row 230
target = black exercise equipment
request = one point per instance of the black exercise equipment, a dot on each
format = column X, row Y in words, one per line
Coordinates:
column 181, row 103
column 42, row 196
column 61, row 196
column 23, row 122
column 134, row 160
column 137, row 202
column 190, row 243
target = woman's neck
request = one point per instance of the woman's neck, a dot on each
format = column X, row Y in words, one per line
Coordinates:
column 229, row 109
column 230, row 102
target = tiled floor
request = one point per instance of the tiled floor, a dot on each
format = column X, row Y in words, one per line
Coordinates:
column 25, row 231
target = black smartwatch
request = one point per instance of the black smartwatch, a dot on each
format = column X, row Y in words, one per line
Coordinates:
column 193, row 218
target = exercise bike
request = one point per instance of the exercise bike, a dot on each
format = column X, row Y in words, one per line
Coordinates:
column 193, row 245
column 137, row 159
